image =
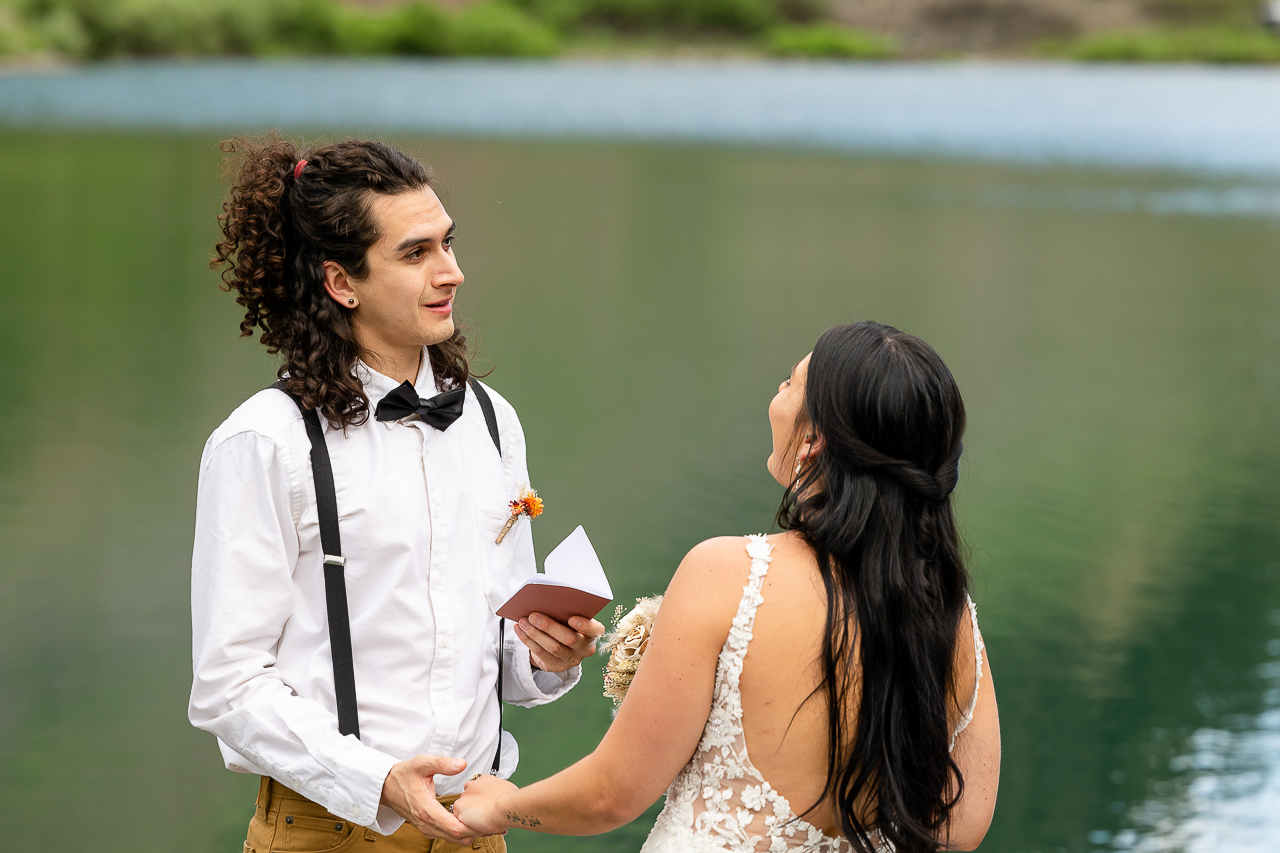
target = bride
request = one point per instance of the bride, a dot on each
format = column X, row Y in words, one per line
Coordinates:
column 821, row 689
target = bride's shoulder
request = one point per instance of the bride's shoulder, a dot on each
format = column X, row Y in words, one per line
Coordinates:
column 703, row 596
column 730, row 553
column 718, row 567
column 723, row 555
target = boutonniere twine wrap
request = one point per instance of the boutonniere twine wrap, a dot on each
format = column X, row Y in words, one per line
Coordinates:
column 626, row 645
column 528, row 503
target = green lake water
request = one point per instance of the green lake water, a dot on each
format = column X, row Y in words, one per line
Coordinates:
column 1116, row 337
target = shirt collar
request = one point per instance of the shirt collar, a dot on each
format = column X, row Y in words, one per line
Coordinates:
column 377, row 385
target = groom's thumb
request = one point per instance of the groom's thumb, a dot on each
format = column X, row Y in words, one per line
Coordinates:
column 442, row 765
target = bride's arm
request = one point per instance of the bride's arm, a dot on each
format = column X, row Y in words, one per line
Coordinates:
column 658, row 725
column 977, row 753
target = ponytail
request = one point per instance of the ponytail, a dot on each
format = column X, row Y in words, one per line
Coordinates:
column 875, row 508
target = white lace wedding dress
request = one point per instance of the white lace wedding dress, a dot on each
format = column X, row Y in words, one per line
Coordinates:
column 720, row 802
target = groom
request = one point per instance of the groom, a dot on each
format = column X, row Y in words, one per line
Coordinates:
column 352, row 658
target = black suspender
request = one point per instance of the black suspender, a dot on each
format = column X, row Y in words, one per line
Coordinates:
column 491, row 421
column 490, row 417
column 335, row 584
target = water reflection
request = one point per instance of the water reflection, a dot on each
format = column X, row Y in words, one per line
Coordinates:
column 1212, row 200
column 1222, row 792
column 1230, row 799
column 1187, row 116
column 1121, row 367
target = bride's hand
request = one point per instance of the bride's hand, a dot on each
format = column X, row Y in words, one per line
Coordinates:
column 478, row 805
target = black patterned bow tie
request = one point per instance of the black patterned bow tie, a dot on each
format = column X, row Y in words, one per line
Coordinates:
column 439, row 411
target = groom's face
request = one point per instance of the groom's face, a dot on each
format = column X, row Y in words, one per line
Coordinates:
column 406, row 300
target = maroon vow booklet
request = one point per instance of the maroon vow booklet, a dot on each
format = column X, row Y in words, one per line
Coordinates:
column 574, row 584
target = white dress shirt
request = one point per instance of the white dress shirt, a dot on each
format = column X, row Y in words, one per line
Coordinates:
column 418, row 510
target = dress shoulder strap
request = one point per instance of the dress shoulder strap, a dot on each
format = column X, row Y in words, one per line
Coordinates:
column 978, row 646
column 760, row 551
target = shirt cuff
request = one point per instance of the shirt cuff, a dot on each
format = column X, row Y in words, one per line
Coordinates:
column 535, row 687
column 388, row 821
column 364, row 772
column 555, row 683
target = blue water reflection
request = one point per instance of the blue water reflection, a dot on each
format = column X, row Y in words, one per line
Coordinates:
column 1226, row 795
column 1212, row 118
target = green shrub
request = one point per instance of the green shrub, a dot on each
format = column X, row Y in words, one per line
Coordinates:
column 161, row 27
column 829, row 41
column 96, row 29
column 803, row 11
column 364, row 34
column 13, row 32
column 1207, row 44
column 60, row 32
column 308, row 26
column 626, row 14
column 738, row 16
column 496, row 29
column 418, row 29
column 1203, row 11
column 562, row 15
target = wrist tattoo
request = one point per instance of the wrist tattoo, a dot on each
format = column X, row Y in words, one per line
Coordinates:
column 525, row 820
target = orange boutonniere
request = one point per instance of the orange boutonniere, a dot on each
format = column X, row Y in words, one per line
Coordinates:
column 528, row 503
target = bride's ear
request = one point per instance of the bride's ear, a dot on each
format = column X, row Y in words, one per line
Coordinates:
column 810, row 446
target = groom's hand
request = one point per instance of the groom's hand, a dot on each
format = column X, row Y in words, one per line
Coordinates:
column 555, row 646
column 410, row 791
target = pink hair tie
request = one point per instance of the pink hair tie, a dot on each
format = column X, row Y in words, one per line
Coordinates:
column 297, row 170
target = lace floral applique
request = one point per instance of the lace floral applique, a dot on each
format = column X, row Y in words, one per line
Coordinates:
column 720, row 802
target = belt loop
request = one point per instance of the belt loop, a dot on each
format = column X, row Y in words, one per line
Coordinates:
column 264, row 797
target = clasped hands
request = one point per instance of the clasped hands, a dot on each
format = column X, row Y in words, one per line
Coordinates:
column 410, row 789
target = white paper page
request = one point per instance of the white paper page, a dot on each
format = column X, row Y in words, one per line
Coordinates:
column 574, row 563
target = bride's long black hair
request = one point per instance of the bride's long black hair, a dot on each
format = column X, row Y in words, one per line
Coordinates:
column 875, row 507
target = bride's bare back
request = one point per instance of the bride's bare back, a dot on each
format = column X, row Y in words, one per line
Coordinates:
column 787, row 736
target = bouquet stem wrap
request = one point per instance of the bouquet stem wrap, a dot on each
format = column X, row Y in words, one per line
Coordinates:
column 626, row 645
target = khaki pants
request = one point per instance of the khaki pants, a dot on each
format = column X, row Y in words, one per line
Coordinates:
column 287, row 821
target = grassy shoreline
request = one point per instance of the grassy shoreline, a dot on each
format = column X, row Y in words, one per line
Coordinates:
column 58, row 32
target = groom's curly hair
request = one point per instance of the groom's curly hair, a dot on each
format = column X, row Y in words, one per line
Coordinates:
column 279, row 227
